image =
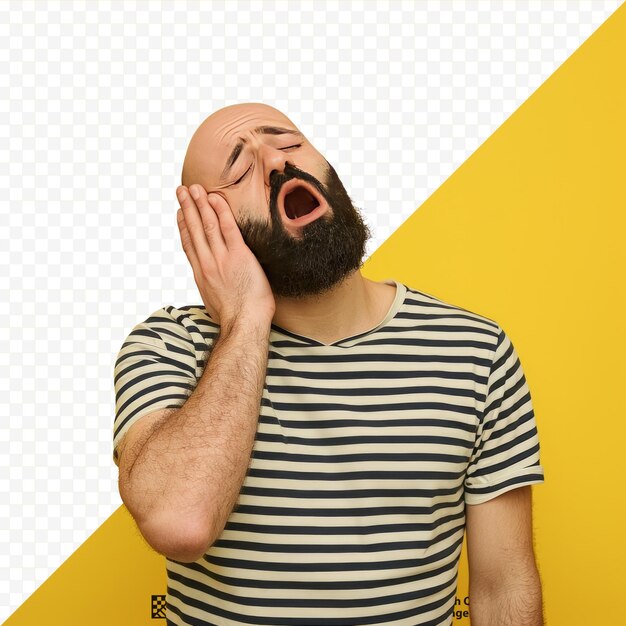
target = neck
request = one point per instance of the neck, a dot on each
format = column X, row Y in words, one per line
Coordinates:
column 354, row 305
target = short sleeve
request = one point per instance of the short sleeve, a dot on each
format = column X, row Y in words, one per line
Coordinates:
column 154, row 369
column 506, row 449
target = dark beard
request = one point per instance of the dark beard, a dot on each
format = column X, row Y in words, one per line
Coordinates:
column 327, row 250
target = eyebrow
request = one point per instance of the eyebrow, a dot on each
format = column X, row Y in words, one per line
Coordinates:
column 261, row 130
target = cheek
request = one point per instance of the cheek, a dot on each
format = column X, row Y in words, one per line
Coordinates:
column 317, row 166
column 248, row 205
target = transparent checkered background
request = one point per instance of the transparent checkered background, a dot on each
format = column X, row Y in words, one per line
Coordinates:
column 99, row 101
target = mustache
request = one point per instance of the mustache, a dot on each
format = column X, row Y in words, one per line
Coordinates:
column 291, row 173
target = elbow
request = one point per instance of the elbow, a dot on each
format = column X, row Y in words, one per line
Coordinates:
column 170, row 534
column 181, row 552
column 177, row 541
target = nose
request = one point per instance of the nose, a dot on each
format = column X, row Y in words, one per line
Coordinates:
column 275, row 162
column 281, row 171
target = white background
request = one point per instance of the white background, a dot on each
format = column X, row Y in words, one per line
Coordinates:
column 99, row 101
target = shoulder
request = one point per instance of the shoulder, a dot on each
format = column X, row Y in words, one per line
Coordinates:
column 191, row 321
column 185, row 330
column 461, row 322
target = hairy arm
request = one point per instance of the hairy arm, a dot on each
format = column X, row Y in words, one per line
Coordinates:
column 505, row 587
column 185, row 476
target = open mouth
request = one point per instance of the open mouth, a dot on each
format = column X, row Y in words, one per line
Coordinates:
column 299, row 201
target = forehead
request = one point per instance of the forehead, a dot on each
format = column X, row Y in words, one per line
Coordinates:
column 223, row 136
column 226, row 125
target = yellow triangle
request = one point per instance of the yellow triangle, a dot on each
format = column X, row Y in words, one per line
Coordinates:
column 528, row 231
column 109, row 580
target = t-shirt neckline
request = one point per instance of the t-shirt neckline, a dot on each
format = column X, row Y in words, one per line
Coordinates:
column 400, row 296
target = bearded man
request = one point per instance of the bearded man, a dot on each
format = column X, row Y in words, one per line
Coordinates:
column 308, row 446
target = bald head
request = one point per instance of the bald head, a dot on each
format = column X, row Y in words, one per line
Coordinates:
column 245, row 153
column 205, row 141
column 292, row 210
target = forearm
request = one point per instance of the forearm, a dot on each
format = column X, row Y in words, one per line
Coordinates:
column 188, row 474
column 508, row 605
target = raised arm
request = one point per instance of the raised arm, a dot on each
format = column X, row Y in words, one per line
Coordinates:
column 180, row 480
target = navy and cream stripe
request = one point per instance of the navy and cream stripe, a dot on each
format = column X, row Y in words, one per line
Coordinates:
column 367, row 451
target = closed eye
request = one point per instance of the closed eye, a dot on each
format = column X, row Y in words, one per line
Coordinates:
column 238, row 181
column 246, row 173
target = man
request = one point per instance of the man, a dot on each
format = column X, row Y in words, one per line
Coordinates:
column 310, row 446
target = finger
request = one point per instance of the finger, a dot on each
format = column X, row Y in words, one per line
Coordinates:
column 185, row 237
column 228, row 224
column 210, row 220
column 195, row 226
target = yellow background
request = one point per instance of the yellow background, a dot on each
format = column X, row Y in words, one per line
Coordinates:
column 529, row 231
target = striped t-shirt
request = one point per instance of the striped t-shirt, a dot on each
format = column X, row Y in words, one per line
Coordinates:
column 366, row 453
